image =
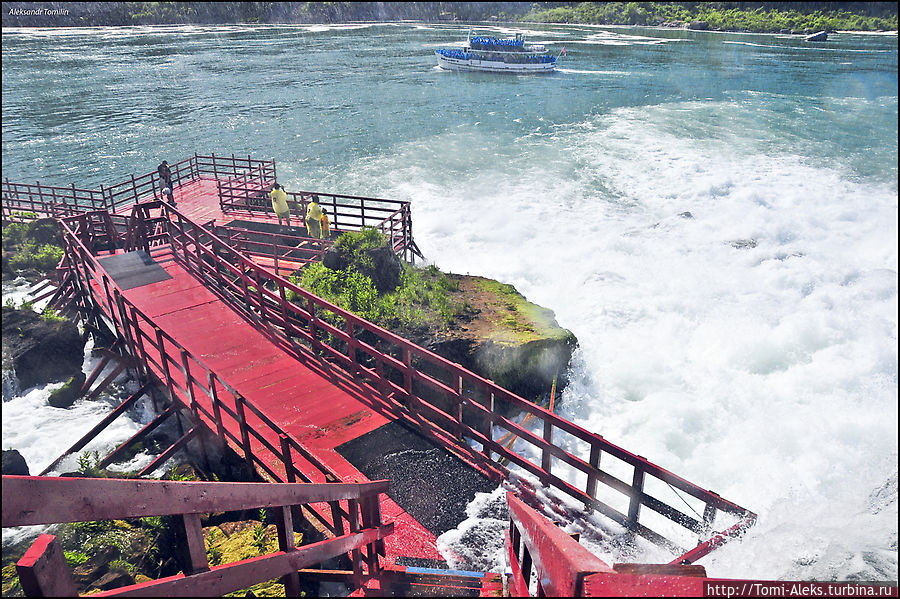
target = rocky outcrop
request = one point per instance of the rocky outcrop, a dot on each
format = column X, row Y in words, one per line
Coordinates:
column 66, row 395
column 509, row 340
column 38, row 350
column 379, row 264
column 14, row 464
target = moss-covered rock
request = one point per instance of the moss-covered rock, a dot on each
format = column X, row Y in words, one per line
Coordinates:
column 40, row 350
column 484, row 325
column 509, row 340
column 66, row 395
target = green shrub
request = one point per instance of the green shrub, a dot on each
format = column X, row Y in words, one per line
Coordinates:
column 75, row 558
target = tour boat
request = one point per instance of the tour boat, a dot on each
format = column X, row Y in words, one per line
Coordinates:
column 497, row 55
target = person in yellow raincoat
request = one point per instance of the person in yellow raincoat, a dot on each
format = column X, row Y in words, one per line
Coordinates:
column 279, row 204
column 314, row 218
column 326, row 225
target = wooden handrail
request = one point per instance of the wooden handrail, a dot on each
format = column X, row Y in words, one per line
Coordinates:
column 472, row 414
column 29, row 500
column 270, row 306
column 561, row 563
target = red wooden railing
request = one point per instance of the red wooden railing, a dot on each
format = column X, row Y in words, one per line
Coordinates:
column 285, row 252
column 243, row 185
column 459, row 408
column 190, row 383
column 30, row 500
column 544, row 561
column 48, row 200
column 559, row 561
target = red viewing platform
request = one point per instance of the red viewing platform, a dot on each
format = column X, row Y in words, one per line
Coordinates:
column 197, row 298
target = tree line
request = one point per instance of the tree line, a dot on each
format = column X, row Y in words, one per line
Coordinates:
column 745, row 16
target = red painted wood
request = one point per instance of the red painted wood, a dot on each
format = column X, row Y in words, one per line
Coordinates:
column 561, row 563
column 317, row 408
column 43, row 571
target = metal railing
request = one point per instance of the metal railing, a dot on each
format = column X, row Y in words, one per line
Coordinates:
column 462, row 410
column 43, row 572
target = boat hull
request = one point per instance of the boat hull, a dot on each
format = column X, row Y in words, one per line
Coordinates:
column 493, row 66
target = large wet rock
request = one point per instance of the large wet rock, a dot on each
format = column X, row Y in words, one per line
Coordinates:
column 509, row 340
column 14, row 464
column 40, row 351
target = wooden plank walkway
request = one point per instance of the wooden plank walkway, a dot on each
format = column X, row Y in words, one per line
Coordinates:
column 320, row 407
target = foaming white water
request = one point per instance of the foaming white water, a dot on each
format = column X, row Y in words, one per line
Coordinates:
column 41, row 432
column 735, row 304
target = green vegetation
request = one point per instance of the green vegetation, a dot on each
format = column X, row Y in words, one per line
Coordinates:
column 88, row 465
column 30, row 246
column 51, row 315
column 732, row 16
column 747, row 16
column 422, row 298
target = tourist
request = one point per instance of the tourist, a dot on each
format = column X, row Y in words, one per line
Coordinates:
column 280, row 205
column 165, row 181
column 314, row 218
column 326, row 225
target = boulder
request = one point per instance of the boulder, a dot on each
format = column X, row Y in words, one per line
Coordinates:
column 698, row 25
column 14, row 464
column 40, row 351
column 511, row 341
column 66, row 395
column 113, row 579
column 380, row 264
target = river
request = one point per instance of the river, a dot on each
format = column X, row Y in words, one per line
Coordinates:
column 713, row 215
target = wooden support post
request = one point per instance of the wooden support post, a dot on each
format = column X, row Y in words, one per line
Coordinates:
column 216, row 405
column 355, row 555
column 43, row 571
column 284, row 523
column 488, row 428
column 337, row 518
column 594, row 461
column 196, row 547
column 136, row 437
column 168, row 453
column 286, row 458
column 245, row 433
column 121, row 409
column 545, row 453
column 637, row 485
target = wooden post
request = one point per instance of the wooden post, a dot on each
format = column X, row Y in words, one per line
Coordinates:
column 634, row 506
column 196, row 548
column 594, row 461
column 245, row 433
column 286, row 458
column 489, row 428
column 217, row 409
column 545, row 453
column 43, row 571
column 284, row 523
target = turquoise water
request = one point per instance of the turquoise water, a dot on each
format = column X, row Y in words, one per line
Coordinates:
column 750, row 347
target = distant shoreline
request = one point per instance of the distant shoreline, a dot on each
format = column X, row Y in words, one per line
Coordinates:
column 509, row 23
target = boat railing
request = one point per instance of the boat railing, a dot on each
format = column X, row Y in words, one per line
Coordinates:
column 43, row 571
column 468, row 414
column 188, row 381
